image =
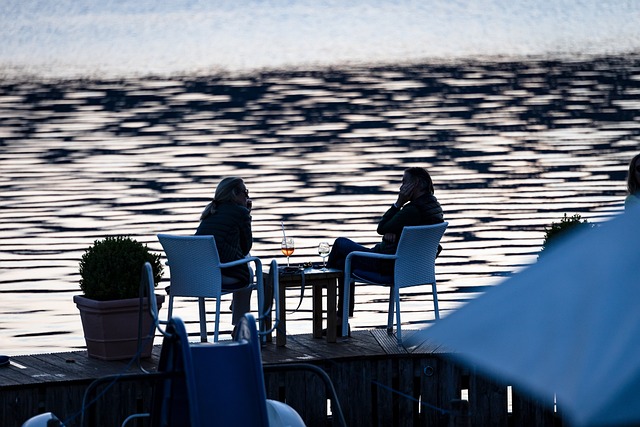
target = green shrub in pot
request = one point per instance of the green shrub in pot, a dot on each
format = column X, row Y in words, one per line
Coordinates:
column 560, row 229
column 111, row 268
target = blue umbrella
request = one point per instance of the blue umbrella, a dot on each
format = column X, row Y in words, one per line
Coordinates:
column 569, row 325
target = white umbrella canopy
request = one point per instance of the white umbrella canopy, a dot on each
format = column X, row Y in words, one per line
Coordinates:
column 569, row 325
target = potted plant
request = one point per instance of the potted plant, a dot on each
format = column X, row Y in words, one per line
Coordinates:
column 558, row 229
column 111, row 272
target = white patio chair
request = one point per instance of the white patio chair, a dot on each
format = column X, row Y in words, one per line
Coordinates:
column 196, row 271
column 414, row 265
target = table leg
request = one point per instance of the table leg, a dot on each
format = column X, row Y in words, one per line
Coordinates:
column 281, row 333
column 317, row 310
column 331, row 309
column 267, row 325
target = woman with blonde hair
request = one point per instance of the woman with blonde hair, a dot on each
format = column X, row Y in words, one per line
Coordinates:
column 228, row 219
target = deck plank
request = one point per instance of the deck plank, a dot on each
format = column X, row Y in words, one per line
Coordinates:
column 305, row 348
column 388, row 342
column 76, row 366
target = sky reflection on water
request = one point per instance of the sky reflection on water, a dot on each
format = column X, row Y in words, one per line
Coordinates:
column 100, row 38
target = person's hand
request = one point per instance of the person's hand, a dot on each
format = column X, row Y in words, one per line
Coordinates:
column 389, row 237
column 406, row 191
column 249, row 204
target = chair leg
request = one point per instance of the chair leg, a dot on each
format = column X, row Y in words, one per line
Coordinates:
column 434, row 291
column 262, row 311
column 203, row 320
column 170, row 309
column 217, row 320
column 352, row 299
column 398, row 327
column 261, row 314
column 392, row 302
column 345, row 306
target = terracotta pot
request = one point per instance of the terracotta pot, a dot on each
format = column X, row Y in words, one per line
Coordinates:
column 111, row 327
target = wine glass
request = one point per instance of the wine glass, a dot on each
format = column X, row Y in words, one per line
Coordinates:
column 323, row 250
column 287, row 247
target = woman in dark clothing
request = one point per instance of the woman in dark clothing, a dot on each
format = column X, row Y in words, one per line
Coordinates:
column 415, row 205
column 228, row 219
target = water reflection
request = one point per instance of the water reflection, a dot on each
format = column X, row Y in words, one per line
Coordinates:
column 511, row 147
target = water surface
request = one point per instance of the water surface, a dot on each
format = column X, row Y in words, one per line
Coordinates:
column 119, row 118
column 511, row 147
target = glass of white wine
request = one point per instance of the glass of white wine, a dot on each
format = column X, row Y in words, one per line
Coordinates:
column 287, row 247
column 323, row 250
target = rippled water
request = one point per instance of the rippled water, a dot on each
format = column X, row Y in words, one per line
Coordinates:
column 512, row 146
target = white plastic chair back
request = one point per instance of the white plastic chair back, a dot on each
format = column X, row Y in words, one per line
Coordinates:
column 194, row 264
column 416, row 255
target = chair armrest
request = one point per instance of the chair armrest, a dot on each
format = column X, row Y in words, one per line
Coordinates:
column 275, row 295
column 347, row 282
column 375, row 255
column 259, row 283
column 369, row 255
column 245, row 260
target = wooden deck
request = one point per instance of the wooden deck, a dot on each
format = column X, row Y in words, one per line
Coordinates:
column 377, row 382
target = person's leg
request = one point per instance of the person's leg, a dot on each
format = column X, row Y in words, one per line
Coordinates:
column 339, row 251
column 241, row 304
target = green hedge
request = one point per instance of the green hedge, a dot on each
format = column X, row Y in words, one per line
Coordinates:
column 111, row 268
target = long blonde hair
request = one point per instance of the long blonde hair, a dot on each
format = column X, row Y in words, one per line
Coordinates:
column 226, row 191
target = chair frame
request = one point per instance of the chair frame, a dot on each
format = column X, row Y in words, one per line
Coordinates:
column 405, row 272
column 212, row 289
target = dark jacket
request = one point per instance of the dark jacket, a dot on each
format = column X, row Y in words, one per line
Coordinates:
column 425, row 210
column 230, row 225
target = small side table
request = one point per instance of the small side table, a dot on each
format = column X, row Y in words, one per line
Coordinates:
column 315, row 279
